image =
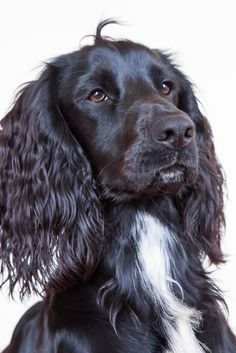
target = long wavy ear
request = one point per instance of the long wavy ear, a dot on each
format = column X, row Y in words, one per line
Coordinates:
column 203, row 212
column 50, row 216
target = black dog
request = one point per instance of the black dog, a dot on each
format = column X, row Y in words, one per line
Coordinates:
column 110, row 198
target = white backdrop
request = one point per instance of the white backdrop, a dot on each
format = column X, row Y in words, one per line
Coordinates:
column 200, row 33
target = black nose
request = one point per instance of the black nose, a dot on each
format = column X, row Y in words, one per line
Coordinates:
column 175, row 131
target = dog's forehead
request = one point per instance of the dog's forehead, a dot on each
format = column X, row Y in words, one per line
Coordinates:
column 124, row 57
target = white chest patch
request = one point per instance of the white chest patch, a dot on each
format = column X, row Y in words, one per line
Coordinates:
column 156, row 257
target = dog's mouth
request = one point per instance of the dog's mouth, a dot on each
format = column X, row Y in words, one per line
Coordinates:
column 170, row 179
column 171, row 175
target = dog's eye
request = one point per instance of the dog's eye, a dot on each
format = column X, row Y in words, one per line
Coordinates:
column 166, row 88
column 97, row 96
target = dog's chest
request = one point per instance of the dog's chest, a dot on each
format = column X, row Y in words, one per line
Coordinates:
column 156, row 254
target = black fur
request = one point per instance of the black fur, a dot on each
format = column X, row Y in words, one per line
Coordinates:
column 74, row 173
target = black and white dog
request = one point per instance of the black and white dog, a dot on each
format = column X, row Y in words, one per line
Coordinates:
column 110, row 199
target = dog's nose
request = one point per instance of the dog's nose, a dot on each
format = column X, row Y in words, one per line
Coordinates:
column 175, row 131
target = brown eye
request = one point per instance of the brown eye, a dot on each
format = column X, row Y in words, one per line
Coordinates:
column 165, row 88
column 98, row 96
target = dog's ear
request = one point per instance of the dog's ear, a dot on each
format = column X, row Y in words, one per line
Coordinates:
column 203, row 212
column 51, row 226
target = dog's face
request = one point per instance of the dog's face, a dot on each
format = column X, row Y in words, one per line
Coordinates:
column 112, row 121
column 122, row 105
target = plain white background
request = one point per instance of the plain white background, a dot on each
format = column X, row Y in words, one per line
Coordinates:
column 200, row 33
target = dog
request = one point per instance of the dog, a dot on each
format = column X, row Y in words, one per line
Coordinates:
column 110, row 200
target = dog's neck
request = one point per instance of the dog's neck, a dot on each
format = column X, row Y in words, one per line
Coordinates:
column 144, row 253
column 164, row 208
column 139, row 235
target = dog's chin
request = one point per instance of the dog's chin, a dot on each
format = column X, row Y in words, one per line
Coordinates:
column 171, row 180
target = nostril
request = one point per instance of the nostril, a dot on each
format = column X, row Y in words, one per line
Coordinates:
column 166, row 135
column 189, row 133
column 174, row 131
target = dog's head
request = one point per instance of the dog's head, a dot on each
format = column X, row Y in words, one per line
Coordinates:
column 135, row 115
column 114, row 120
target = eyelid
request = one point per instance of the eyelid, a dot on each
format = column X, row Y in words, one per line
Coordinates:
column 166, row 87
column 92, row 96
column 112, row 98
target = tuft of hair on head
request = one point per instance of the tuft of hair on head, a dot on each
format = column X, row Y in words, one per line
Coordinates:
column 98, row 37
column 101, row 25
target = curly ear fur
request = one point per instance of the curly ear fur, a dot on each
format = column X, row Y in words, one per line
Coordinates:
column 51, row 225
column 203, row 206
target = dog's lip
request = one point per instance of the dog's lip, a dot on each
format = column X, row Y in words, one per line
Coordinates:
column 172, row 174
column 168, row 179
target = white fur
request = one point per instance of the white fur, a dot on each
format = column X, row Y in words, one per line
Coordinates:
column 156, row 256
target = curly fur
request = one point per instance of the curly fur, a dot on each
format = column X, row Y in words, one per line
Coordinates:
column 42, row 210
column 67, row 208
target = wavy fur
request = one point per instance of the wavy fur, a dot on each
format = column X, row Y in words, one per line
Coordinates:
column 111, row 195
column 51, row 222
